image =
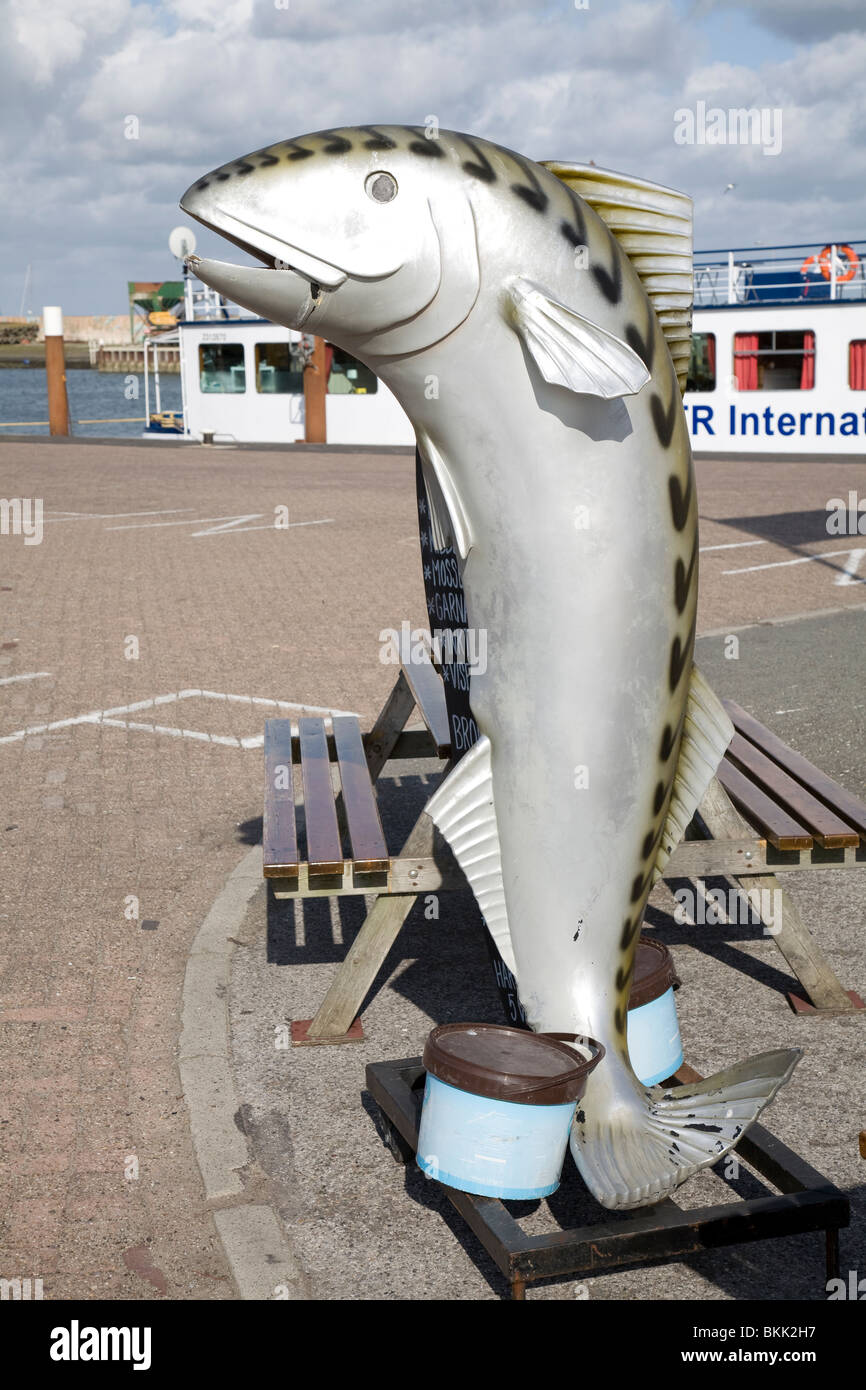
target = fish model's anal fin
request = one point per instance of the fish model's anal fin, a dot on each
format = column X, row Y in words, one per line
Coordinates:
column 654, row 226
column 449, row 523
column 462, row 809
column 570, row 350
column 707, row 731
column 642, row 1153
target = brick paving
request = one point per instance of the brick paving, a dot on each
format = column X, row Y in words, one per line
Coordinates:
column 99, row 1190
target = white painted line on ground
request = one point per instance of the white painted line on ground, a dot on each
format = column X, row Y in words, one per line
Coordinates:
column 731, row 545
column 189, row 521
column 228, row 525
column 850, row 575
column 268, row 526
column 115, row 516
column 110, row 717
column 801, row 560
column 29, row 676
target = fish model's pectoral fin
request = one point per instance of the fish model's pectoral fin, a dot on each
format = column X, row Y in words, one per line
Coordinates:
column 640, row 1154
column 707, row 731
column 448, row 520
column 462, row 809
column 570, row 350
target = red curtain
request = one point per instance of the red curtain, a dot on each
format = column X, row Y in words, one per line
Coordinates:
column 807, row 376
column 746, row 361
column 711, row 354
column 857, row 365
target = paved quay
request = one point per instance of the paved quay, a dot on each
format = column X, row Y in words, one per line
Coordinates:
column 143, row 643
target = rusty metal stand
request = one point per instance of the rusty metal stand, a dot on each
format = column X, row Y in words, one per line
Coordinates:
column 806, row 1201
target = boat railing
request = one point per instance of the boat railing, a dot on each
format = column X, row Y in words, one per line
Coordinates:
column 801, row 273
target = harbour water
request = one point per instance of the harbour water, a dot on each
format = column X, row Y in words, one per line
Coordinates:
column 93, row 396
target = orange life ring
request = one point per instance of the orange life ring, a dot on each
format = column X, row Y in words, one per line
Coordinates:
column 824, row 258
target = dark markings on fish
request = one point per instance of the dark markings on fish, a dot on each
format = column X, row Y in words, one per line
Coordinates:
column 706, row 1129
column 480, row 167
column 377, row 140
column 623, row 976
column 675, row 1147
column 637, row 888
column 575, row 234
column 659, row 797
column 297, row 151
column 337, row 144
column 222, row 176
column 532, row 191
column 645, row 347
column 610, row 281
column 244, row 168
column 652, row 839
column 629, row 929
column 619, row 1021
column 268, row 159
column 669, row 738
column 738, row 1131
column 580, row 1117
column 664, row 420
column 204, row 184
column 680, row 654
column 429, row 148
column 680, row 501
column 683, row 578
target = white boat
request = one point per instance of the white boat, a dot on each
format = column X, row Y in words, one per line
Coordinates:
column 242, row 382
column 778, row 364
column 779, row 351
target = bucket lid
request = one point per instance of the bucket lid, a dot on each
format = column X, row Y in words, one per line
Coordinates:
column 503, row 1063
column 654, row 972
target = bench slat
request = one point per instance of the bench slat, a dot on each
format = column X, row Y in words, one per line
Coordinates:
column 324, row 851
column 791, row 796
column 779, row 828
column 842, row 802
column 369, row 850
column 279, row 831
column 429, row 690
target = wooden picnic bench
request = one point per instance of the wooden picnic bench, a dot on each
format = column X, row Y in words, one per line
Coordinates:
column 768, row 811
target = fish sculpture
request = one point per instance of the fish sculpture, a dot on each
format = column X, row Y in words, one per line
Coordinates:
column 534, row 323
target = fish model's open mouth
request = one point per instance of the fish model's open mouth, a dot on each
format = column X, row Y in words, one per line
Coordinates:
column 278, row 256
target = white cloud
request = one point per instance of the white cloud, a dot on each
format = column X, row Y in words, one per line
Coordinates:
column 211, row 80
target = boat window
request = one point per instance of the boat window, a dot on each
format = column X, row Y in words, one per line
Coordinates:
column 221, row 367
column 349, row 377
column 702, row 363
column 857, row 365
column 277, row 371
column 775, row 361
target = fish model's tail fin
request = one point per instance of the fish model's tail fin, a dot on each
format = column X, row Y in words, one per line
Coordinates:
column 639, row 1154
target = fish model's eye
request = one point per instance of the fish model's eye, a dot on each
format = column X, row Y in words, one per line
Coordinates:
column 381, row 187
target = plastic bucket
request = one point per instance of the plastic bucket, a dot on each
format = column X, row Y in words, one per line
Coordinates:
column 498, row 1108
column 654, row 1044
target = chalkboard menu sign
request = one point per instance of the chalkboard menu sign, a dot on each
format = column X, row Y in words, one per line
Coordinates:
column 453, row 652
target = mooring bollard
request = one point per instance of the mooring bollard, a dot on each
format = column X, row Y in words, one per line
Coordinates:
column 315, row 389
column 55, row 370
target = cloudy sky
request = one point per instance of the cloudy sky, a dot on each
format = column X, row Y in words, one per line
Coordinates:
column 209, row 80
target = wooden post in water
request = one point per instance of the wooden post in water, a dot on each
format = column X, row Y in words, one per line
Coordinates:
column 315, row 392
column 55, row 370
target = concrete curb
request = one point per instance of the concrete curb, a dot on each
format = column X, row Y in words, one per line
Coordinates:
column 260, row 1258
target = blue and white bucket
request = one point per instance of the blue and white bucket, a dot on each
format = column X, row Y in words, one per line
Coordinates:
column 498, row 1108
column 654, row 1044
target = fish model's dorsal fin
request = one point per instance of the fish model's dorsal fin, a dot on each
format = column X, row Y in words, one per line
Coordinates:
column 462, row 809
column 570, row 350
column 707, row 731
column 654, row 226
column 449, row 523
